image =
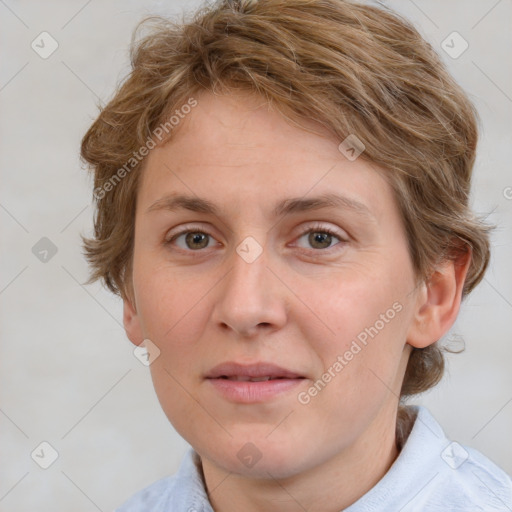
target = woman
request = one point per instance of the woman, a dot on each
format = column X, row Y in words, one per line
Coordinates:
column 282, row 204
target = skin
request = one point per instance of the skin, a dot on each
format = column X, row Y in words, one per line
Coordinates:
column 298, row 305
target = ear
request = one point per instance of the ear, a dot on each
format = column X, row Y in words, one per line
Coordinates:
column 131, row 321
column 439, row 301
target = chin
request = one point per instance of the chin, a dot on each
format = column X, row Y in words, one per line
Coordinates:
column 260, row 458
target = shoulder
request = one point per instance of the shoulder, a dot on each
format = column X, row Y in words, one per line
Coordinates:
column 150, row 498
column 456, row 477
column 434, row 474
column 469, row 480
column 182, row 492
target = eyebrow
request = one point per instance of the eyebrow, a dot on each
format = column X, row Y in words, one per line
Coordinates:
column 291, row 205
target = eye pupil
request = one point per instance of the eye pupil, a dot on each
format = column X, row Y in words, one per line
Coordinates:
column 320, row 237
column 197, row 238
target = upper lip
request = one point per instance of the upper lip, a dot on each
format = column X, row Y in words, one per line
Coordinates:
column 255, row 370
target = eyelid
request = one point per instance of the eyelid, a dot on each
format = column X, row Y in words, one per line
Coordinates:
column 183, row 228
column 317, row 226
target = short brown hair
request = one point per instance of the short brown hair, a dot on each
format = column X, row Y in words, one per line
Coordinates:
column 354, row 68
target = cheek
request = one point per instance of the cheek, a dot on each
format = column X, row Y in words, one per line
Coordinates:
column 359, row 331
column 355, row 306
column 177, row 399
column 174, row 314
column 167, row 299
column 359, row 370
column 174, row 311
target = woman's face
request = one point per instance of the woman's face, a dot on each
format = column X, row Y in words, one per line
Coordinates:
column 256, row 275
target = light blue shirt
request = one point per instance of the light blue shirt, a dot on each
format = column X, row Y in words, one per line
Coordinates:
column 431, row 474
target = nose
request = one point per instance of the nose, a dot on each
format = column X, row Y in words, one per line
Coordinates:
column 251, row 299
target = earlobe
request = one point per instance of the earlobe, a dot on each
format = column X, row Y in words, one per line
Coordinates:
column 439, row 302
column 131, row 322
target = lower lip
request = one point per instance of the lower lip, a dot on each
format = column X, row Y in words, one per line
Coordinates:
column 253, row 392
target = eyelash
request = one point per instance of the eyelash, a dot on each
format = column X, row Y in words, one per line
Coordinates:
column 315, row 228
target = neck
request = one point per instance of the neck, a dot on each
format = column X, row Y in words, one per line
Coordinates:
column 331, row 486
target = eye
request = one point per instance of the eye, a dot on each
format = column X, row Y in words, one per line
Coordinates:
column 320, row 237
column 193, row 240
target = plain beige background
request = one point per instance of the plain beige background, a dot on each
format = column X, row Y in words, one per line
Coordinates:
column 68, row 373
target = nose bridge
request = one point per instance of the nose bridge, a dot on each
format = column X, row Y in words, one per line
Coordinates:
column 248, row 275
column 248, row 296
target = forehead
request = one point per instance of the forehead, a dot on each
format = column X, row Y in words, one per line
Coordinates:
column 235, row 149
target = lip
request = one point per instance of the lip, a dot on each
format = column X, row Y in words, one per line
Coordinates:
column 222, row 378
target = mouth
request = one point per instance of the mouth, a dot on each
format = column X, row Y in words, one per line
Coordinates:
column 245, row 378
column 253, row 383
